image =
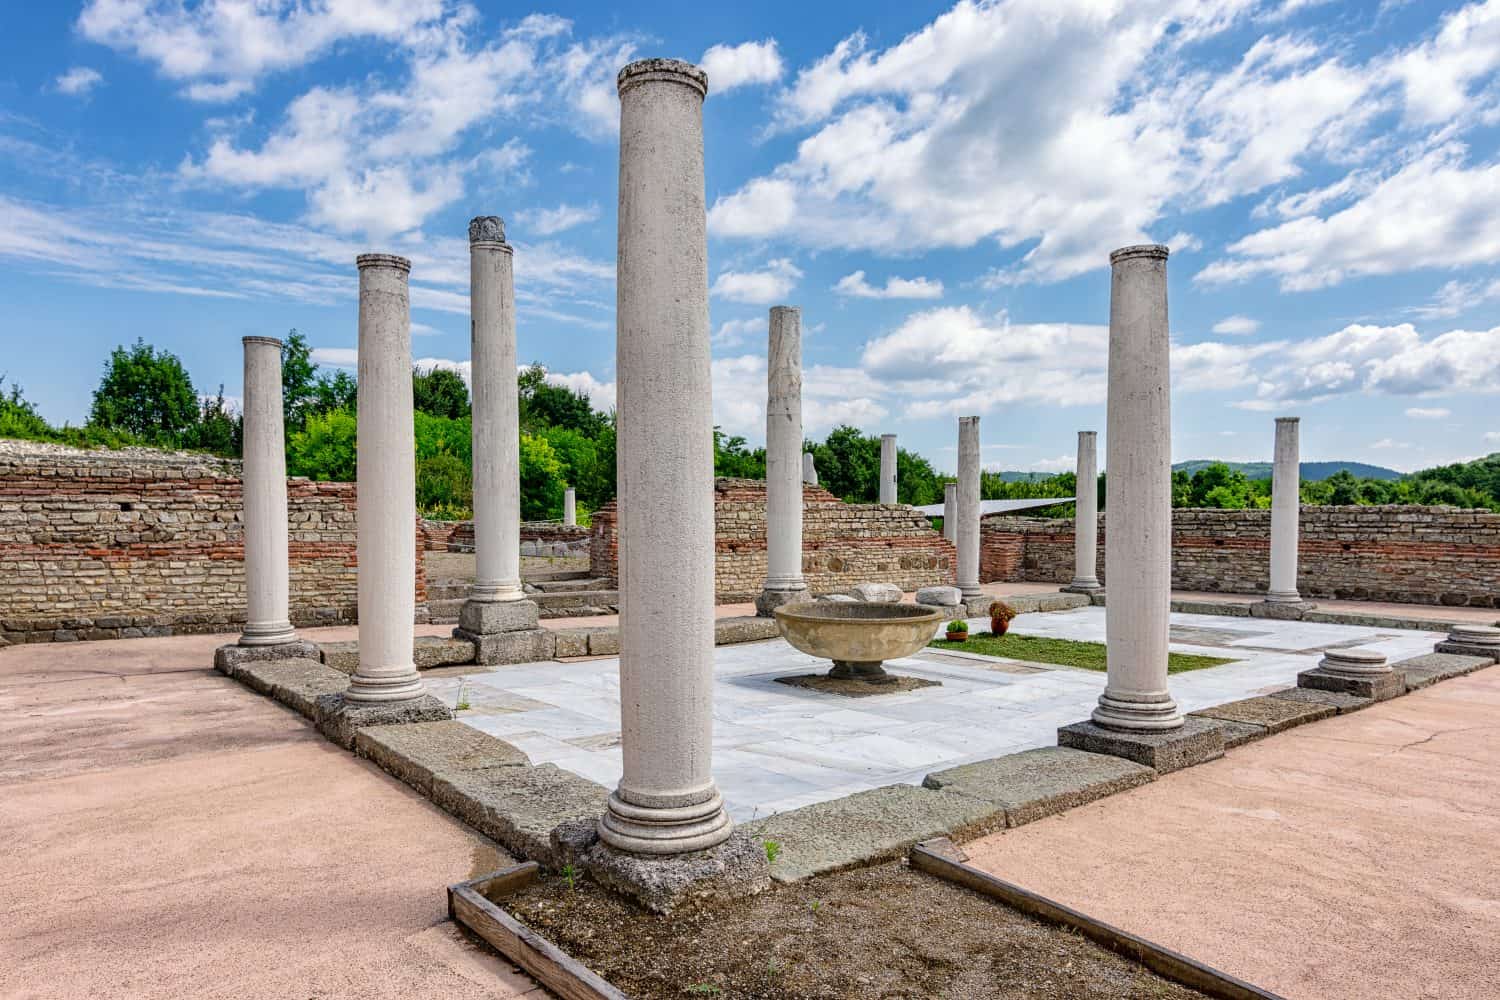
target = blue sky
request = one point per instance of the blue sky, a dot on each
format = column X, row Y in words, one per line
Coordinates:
column 938, row 187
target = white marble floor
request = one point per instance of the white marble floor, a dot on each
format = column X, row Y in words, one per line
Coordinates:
column 778, row 747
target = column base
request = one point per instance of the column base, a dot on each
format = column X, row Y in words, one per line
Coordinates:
column 497, row 593
column 665, row 830
column 268, row 634
column 339, row 719
column 1283, row 597
column 734, row 868
column 770, row 599
column 1196, row 740
column 1137, row 716
column 228, row 659
column 1379, row 687
column 489, row 617
column 1485, row 650
column 1083, row 587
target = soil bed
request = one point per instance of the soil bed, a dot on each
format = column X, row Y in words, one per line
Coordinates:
column 850, row 688
column 886, row 931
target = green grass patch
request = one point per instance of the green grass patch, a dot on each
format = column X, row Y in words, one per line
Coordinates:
column 1068, row 652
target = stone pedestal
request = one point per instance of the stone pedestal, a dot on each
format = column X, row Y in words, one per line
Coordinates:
column 950, row 512
column 1086, row 518
column 887, row 468
column 570, row 507
column 966, row 531
column 666, row 802
column 504, row 632
column 267, row 622
column 387, row 488
column 809, row 469
column 1361, row 672
column 1286, row 507
column 1193, row 741
column 1135, row 696
column 784, row 583
column 1472, row 640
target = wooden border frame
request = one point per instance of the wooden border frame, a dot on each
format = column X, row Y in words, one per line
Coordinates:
column 939, row 858
column 472, row 904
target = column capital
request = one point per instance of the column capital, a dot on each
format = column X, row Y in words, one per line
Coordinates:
column 666, row 70
column 1087, row 434
column 1288, row 420
column 268, row 341
column 1152, row 250
column 365, row 260
column 487, row 229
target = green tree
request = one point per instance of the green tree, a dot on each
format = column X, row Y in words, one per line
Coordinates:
column 848, row 464
column 19, row 417
column 335, row 392
column 299, row 382
column 145, row 392
column 440, row 392
column 546, row 405
column 217, row 430
column 445, row 487
column 325, row 448
column 541, row 480
column 734, row 459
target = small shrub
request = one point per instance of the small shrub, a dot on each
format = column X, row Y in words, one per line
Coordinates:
column 773, row 851
column 958, row 625
column 1004, row 612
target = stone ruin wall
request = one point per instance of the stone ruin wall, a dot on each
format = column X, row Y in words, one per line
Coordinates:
column 842, row 544
column 538, row 538
column 118, row 544
column 1408, row 555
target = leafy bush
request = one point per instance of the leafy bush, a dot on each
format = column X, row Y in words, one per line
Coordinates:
column 541, row 480
column 958, row 625
column 445, row 484
column 325, row 448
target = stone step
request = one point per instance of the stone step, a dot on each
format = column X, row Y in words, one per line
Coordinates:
column 447, row 590
column 428, row 651
column 570, row 585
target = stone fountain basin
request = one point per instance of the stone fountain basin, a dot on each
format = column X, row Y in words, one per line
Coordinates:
column 858, row 635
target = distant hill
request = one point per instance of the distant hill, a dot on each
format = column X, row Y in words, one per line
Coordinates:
column 1310, row 470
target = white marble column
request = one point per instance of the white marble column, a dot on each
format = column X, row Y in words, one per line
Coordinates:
column 666, row 802
column 809, row 469
column 784, row 583
column 267, row 622
column 1139, row 498
column 495, row 421
column 387, row 492
column 966, row 531
column 1286, row 506
column 570, row 506
column 887, row 468
column 1086, row 516
column 950, row 512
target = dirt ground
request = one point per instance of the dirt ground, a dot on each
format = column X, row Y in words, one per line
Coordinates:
column 883, row 932
column 1353, row 857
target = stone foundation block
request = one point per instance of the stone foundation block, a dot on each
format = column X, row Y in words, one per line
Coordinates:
column 229, row 658
column 1237, row 734
column 524, row 646
column 1286, row 612
column 1041, row 782
column 1271, row 714
column 939, row 597
column 869, row 827
column 604, row 641
column 1467, row 649
column 519, row 807
column 340, row 720
column 744, row 628
column 1342, row 702
column 1088, row 591
column 297, row 684
column 570, row 642
column 487, row 617
column 1197, row 740
column 877, row 593
column 423, row 752
column 769, row 600
column 1421, row 671
column 1376, row 687
column 1221, row 608
column 734, row 869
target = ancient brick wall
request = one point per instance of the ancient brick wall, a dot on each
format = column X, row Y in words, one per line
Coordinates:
column 544, row 538
column 842, row 544
column 1412, row 555
column 100, row 545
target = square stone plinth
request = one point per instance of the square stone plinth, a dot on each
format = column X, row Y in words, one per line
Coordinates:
column 1421, row 671
column 1037, row 783
column 1195, row 741
column 423, row 752
column 487, row 617
column 735, row 868
column 1271, row 714
column 1342, row 702
column 1377, row 687
column 868, row 827
column 1490, row 653
column 519, row 807
column 297, row 684
column 340, row 720
column 521, row 646
column 228, row 659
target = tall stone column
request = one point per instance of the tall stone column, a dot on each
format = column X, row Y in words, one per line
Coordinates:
column 950, row 512
column 809, row 469
column 666, row 802
column 1139, row 495
column 570, row 507
column 966, row 531
column 387, row 475
column 267, row 568
column 1286, row 506
column 784, row 583
column 1086, row 517
column 887, row 468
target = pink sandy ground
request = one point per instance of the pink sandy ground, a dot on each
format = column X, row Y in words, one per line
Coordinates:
column 166, row 833
column 1354, row 857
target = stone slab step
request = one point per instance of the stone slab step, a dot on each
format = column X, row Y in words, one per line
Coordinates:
column 570, row 585
column 425, row 752
column 576, row 598
column 604, row 640
column 1036, row 783
column 1422, row 671
column 519, row 807
column 428, row 651
column 1254, row 718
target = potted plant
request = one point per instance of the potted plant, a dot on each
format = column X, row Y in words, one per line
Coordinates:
column 1000, row 616
column 958, row 630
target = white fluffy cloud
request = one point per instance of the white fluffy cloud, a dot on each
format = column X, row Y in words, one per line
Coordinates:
column 772, row 283
column 78, row 81
column 547, row 221
column 1428, row 412
column 831, row 396
column 1236, row 326
column 731, row 66
column 856, row 286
